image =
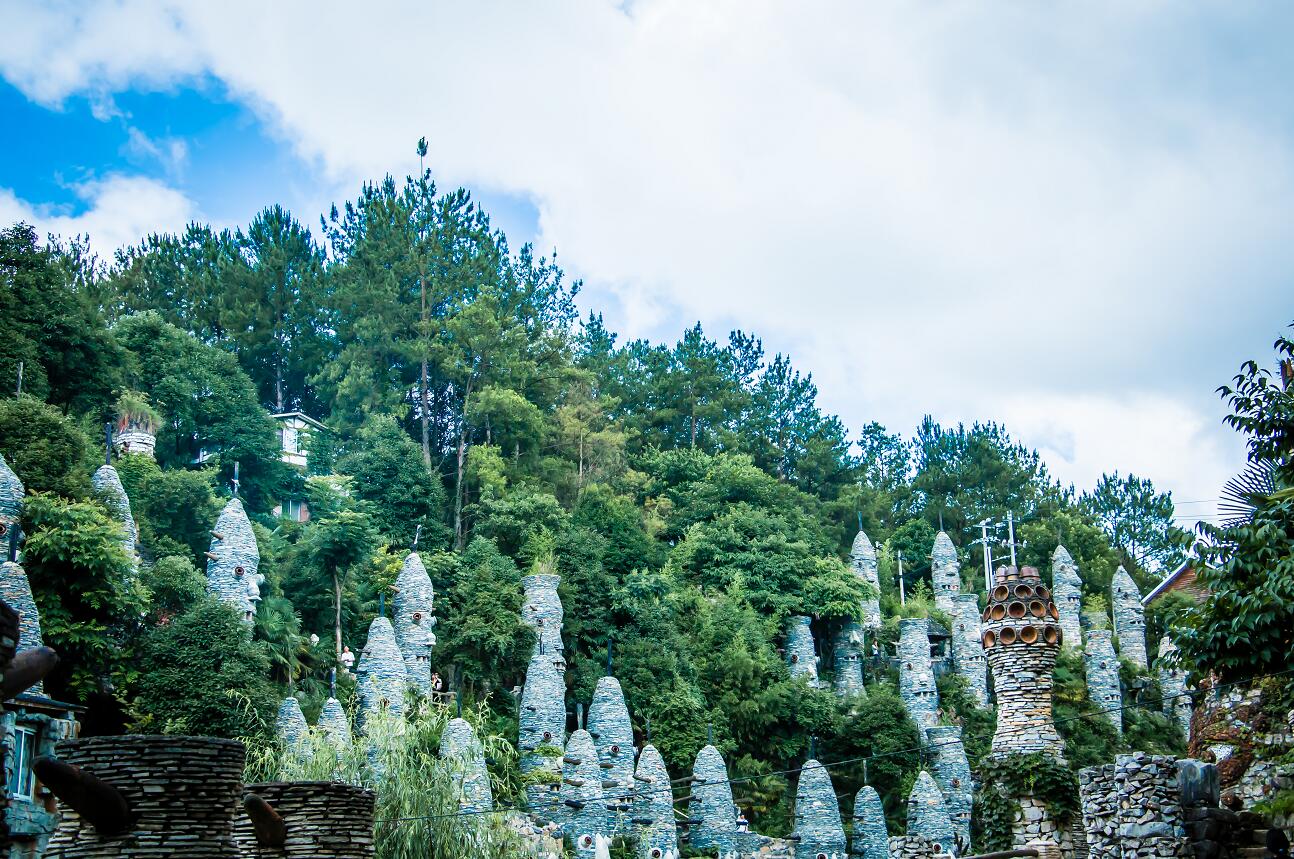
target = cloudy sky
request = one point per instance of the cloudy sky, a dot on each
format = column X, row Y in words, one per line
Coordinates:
column 1072, row 218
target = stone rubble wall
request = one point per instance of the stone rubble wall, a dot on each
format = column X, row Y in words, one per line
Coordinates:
column 1035, row 823
column 135, row 441
column 324, row 820
column 912, row 846
column 413, row 620
column 817, row 815
column 916, row 676
column 1129, row 618
column 1067, row 588
column 1102, row 669
column 801, row 657
column 1133, row 808
column 967, row 649
column 862, row 558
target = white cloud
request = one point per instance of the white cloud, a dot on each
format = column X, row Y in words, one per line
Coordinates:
column 118, row 211
column 170, row 152
column 976, row 211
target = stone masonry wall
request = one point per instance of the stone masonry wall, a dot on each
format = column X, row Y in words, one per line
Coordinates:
column 380, row 672
column 542, row 732
column 460, row 744
column 928, row 814
column 712, row 803
column 290, row 726
column 1133, row 808
column 1176, row 703
column 945, row 573
column 1100, row 803
column 107, row 485
column 413, row 620
column 585, row 815
column 324, row 820
column 871, row 838
column 613, row 734
column 653, row 808
column 15, row 589
column 849, row 660
column 233, row 560
column 952, row 774
column 542, row 611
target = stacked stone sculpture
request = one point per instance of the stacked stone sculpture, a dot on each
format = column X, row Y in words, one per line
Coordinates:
column 335, row 725
column 145, row 797
column 1067, row 588
column 107, row 485
column 541, row 610
column 234, row 560
column 585, row 812
column 380, row 673
column 12, row 493
column 800, row 655
column 653, row 808
column 319, row 820
column 871, row 838
column 968, row 652
column 613, row 734
column 460, row 744
column 862, row 557
column 15, row 590
column 952, row 774
column 542, row 731
column 945, row 573
column 928, row 814
column 712, row 804
column 817, row 815
column 916, row 676
column 849, row 660
column 291, row 728
column 1172, row 686
column 413, row 620
column 1021, row 639
column 1129, row 618
column 1102, row 669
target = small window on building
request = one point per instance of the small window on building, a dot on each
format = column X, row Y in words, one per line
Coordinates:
column 22, row 782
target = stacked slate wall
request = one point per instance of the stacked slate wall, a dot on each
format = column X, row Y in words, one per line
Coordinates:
column 1129, row 618
column 1133, row 808
column 916, row 676
column 323, row 820
column 870, row 838
column 1176, row 703
column 291, row 728
column 848, row 660
column 817, row 815
column 334, row 724
column 413, row 620
column 11, row 496
column 968, row 651
column 584, row 814
column 862, row 557
column 107, row 485
column 912, row 846
column 15, row 589
column 800, row 655
column 1102, row 669
column 945, row 573
column 1067, row 586
column 952, row 774
column 542, row 732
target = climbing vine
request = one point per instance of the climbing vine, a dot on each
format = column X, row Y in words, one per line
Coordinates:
column 1006, row 779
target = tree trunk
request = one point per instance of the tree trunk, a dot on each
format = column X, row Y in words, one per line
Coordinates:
column 336, row 593
column 459, row 536
column 426, row 417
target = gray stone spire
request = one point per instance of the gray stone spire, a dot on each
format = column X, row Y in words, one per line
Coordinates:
column 542, row 731
column 928, row 814
column 1102, row 670
column 459, row 744
column 541, row 610
column 800, row 655
column 335, row 725
column 413, row 620
column 1172, row 686
column 1067, row 587
column 11, row 496
column 15, row 589
column 613, row 734
column 233, row 561
column 380, row 672
column 107, row 485
column 967, row 650
column 712, row 804
column 291, row 728
column 1129, row 618
column 849, row 660
column 654, row 808
column 585, row 815
column 862, row 557
column 871, row 837
column 817, row 815
column 945, row 572
column 952, row 774
column 916, row 676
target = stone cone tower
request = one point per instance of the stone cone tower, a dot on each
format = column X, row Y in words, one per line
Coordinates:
column 12, row 493
column 335, row 725
column 1129, row 618
column 916, row 676
column 871, row 837
column 107, row 485
column 381, row 674
column 1021, row 640
column 1172, row 686
column 1102, row 669
column 613, row 735
column 585, row 813
column 928, row 814
column 290, row 727
column 712, row 804
column 654, row 808
column 801, row 657
column 945, row 573
column 817, row 815
column 848, row 660
column 15, row 589
column 460, row 744
column 233, row 561
column 413, row 620
column 862, row 557
column 542, row 732
column 968, row 652
column 541, row 610
column 1067, row 587
column 952, row 774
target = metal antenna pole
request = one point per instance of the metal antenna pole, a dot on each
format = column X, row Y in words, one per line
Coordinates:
column 417, row 532
column 902, row 596
column 1010, row 532
column 988, row 567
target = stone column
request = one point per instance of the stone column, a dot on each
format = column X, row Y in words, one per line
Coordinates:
column 712, row 804
column 952, row 774
column 413, row 621
column 459, row 744
column 1067, row 586
column 849, row 660
column 135, row 440
column 657, row 836
column 542, row 733
column 380, row 673
column 871, row 838
column 1129, row 618
column 233, row 561
column 801, row 657
column 541, row 610
column 324, row 820
column 968, row 651
column 928, row 814
column 862, row 557
column 1172, row 685
column 613, row 734
column 916, row 677
column 817, row 815
column 945, row 573
column 586, row 813
column 291, row 728
column 1021, row 639
column 1102, row 669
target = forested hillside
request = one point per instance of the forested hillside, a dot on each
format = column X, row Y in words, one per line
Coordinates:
column 692, row 495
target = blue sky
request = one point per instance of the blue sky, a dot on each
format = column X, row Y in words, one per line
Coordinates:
column 1071, row 218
